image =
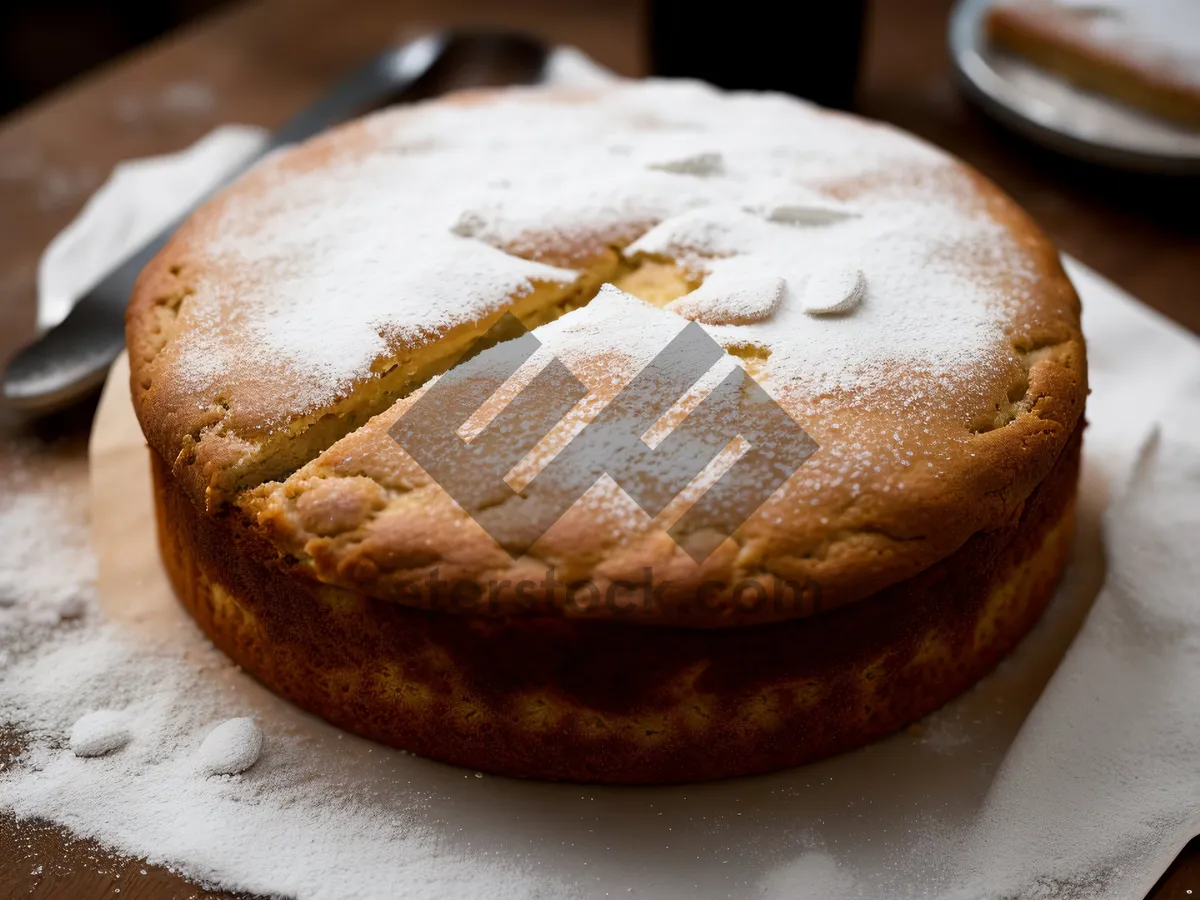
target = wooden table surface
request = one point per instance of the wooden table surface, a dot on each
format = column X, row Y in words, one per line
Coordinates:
column 259, row 62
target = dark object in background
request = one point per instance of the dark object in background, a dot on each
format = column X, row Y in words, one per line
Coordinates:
column 43, row 43
column 810, row 50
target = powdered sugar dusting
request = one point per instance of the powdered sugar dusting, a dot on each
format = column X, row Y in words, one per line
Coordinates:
column 699, row 164
column 816, row 211
column 429, row 219
column 1162, row 35
column 99, row 732
column 929, row 305
column 723, row 300
column 812, row 876
column 834, row 288
column 231, row 748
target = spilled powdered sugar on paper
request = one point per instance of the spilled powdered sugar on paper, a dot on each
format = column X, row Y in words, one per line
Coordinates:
column 112, row 721
column 1122, row 765
column 231, row 748
column 98, row 732
column 813, row 876
column 322, row 814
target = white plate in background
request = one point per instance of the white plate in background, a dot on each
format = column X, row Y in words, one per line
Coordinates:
column 1056, row 114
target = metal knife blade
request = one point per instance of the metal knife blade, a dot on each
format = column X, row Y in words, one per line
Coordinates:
column 70, row 361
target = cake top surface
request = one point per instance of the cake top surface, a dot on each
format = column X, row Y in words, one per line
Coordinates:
column 422, row 222
column 898, row 307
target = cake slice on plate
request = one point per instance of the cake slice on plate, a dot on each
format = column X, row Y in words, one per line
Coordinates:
column 1145, row 53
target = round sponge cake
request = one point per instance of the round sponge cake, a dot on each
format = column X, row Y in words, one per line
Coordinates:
column 906, row 528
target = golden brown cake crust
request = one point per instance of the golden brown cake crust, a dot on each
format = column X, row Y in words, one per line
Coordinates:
column 557, row 698
column 909, row 467
column 364, row 515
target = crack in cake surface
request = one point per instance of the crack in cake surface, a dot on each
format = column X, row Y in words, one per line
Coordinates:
column 282, row 450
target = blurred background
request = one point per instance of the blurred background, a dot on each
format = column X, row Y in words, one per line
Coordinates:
column 44, row 43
